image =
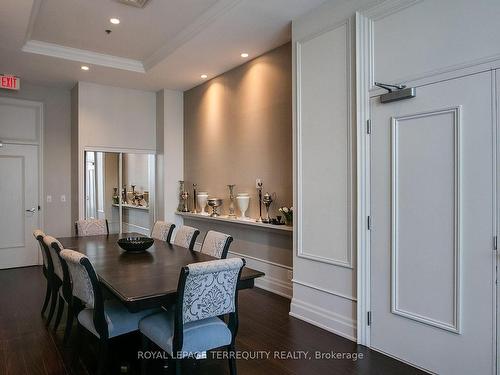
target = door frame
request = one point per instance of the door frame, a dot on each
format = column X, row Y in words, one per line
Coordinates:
column 39, row 106
column 365, row 90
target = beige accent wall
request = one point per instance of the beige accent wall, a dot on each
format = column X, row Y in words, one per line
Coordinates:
column 238, row 127
column 56, row 157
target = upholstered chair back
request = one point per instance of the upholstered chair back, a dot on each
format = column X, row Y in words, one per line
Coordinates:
column 208, row 289
column 162, row 230
column 56, row 262
column 82, row 273
column 186, row 237
column 39, row 235
column 216, row 244
column 91, row 227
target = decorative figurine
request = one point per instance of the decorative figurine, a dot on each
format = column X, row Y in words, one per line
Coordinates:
column 116, row 199
column 232, row 215
column 194, row 198
column 267, row 200
column 259, row 189
column 124, row 195
column 243, row 200
column 182, row 202
column 202, row 202
column 214, row 203
column 185, row 197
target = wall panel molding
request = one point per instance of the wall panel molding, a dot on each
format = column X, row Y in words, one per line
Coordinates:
column 347, row 261
column 396, row 308
column 324, row 290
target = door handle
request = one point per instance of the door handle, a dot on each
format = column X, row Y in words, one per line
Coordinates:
column 32, row 210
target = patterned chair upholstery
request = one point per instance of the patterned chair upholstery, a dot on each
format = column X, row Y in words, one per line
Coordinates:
column 56, row 262
column 61, row 285
column 162, row 231
column 216, row 244
column 91, row 227
column 206, row 290
column 186, row 237
column 47, row 269
column 39, row 235
column 104, row 319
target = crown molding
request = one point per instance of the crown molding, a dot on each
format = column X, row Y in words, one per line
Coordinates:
column 83, row 56
column 220, row 8
column 35, row 9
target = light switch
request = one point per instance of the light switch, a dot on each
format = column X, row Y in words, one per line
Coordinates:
column 49, row 198
column 63, row 198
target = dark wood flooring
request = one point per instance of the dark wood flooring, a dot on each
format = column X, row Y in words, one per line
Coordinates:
column 27, row 346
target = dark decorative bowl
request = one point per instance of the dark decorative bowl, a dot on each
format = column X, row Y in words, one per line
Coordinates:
column 135, row 244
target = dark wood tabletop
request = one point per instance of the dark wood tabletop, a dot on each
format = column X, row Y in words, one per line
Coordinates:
column 142, row 280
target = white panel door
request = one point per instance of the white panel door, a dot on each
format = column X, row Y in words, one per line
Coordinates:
column 18, row 205
column 433, row 274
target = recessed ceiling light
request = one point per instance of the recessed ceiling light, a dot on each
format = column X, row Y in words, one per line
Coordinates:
column 204, row 76
column 114, row 21
column 244, row 55
column 85, row 67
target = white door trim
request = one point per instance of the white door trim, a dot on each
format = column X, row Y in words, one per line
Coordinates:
column 39, row 142
column 495, row 89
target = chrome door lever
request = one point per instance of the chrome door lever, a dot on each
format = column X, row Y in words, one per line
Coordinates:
column 32, row 210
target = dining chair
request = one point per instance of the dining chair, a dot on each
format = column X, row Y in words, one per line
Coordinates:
column 47, row 268
column 216, row 244
column 186, row 237
column 91, row 227
column 62, row 286
column 205, row 292
column 57, row 274
column 105, row 319
column 162, row 230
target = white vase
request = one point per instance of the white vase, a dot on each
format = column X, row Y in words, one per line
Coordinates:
column 243, row 200
column 202, row 202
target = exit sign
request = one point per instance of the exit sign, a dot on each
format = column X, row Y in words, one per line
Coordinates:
column 9, row 82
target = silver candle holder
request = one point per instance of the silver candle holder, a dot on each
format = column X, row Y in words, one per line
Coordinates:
column 232, row 214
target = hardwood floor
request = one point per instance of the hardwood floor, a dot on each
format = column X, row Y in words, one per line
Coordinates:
column 27, row 346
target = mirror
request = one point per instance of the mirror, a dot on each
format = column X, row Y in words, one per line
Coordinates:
column 119, row 188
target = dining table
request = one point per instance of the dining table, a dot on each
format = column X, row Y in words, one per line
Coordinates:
column 147, row 279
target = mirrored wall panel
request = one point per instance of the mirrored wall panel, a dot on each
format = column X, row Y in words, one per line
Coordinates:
column 119, row 188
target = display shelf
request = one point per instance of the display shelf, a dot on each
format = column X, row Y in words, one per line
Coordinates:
column 226, row 219
column 131, row 206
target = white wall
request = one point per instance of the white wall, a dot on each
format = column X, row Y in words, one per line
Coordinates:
column 172, row 129
column 413, row 42
column 112, row 119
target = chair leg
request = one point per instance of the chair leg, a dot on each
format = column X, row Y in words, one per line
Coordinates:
column 47, row 298
column 53, row 303
column 60, row 310
column 177, row 366
column 69, row 324
column 78, row 342
column 232, row 360
column 103, row 354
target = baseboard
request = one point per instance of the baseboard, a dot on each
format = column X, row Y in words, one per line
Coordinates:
column 277, row 277
column 324, row 319
column 275, row 286
column 128, row 227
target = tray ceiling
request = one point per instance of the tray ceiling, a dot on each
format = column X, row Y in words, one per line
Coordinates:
column 166, row 44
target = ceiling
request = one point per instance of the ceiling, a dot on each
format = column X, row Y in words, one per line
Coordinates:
column 167, row 44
